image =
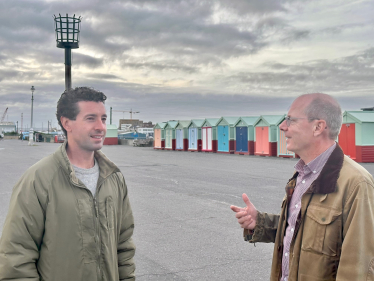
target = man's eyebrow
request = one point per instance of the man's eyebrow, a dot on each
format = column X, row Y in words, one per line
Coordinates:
column 91, row 115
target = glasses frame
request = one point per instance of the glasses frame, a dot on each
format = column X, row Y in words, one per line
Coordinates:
column 289, row 119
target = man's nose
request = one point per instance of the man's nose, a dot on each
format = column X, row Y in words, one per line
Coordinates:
column 283, row 126
column 100, row 125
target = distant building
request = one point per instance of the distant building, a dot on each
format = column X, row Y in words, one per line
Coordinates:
column 368, row 109
column 148, row 124
column 8, row 127
column 134, row 123
column 147, row 131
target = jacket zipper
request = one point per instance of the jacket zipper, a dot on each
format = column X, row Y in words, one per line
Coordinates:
column 96, row 220
column 97, row 225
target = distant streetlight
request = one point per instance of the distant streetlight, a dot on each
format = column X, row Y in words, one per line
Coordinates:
column 31, row 131
column 67, row 37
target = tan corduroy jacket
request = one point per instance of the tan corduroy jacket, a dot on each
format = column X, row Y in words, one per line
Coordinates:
column 56, row 230
column 334, row 234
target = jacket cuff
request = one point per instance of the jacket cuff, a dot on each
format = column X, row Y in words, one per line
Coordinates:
column 255, row 235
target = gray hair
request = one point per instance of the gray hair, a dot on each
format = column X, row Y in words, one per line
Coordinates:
column 325, row 107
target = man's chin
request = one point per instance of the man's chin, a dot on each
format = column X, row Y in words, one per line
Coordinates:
column 289, row 148
column 97, row 145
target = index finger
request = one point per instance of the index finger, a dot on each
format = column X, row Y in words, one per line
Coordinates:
column 235, row 208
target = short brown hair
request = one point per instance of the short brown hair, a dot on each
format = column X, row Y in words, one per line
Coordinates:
column 67, row 104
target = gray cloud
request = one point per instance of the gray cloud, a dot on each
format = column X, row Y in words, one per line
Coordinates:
column 197, row 42
column 351, row 74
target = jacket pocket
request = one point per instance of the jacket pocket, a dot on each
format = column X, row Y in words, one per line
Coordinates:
column 109, row 210
column 87, row 230
column 322, row 230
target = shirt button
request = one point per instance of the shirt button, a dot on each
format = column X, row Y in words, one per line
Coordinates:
column 292, row 229
column 286, row 254
column 303, row 181
column 314, row 172
column 296, row 206
column 285, row 279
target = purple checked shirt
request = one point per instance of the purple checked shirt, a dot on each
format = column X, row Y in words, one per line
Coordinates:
column 307, row 174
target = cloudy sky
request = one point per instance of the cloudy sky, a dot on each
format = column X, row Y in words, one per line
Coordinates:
column 171, row 59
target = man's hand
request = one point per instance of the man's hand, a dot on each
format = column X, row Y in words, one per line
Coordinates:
column 246, row 216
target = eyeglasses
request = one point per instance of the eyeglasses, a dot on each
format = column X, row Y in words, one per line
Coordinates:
column 289, row 119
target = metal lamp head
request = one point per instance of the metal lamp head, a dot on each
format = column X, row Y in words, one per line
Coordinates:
column 67, row 31
column 32, row 89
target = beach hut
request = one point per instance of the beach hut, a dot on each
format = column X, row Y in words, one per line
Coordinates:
column 356, row 136
column 282, row 145
column 244, row 135
column 266, row 135
column 194, row 135
column 159, row 135
column 226, row 134
column 209, row 135
column 111, row 137
column 181, row 132
column 170, row 135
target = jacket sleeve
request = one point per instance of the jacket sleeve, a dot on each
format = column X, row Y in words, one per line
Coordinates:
column 357, row 254
column 126, row 247
column 265, row 230
column 22, row 233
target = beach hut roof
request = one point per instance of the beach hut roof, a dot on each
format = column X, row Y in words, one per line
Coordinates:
column 271, row 119
column 183, row 123
column 160, row 125
column 361, row 116
column 111, row 127
column 172, row 124
column 248, row 120
column 229, row 120
column 211, row 121
column 197, row 122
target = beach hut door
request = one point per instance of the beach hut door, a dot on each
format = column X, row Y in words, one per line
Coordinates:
column 347, row 140
column 242, row 139
column 223, row 138
column 157, row 137
column 168, row 134
column 283, row 145
column 209, row 138
column 193, row 138
column 179, row 139
column 203, row 135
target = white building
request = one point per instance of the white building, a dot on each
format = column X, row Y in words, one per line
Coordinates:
column 7, row 127
column 147, row 131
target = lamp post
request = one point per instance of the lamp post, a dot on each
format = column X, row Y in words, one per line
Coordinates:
column 31, row 131
column 67, row 37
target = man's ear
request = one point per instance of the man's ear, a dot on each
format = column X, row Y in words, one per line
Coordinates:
column 319, row 127
column 66, row 123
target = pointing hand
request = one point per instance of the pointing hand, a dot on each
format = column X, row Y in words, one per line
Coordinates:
column 246, row 216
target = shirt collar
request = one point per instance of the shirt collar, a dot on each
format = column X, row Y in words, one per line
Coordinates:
column 316, row 165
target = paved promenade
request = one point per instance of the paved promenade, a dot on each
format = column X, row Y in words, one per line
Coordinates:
column 184, row 228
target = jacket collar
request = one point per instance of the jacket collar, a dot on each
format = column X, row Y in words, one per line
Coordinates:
column 106, row 167
column 327, row 179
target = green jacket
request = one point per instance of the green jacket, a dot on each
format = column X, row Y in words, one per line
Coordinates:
column 56, row 230
column 334, row 234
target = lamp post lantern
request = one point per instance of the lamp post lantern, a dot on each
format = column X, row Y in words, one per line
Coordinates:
column 31, row 131
column 67, row 37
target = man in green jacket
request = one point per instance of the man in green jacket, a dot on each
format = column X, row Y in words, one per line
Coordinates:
column 325, row 230
column 69, row 216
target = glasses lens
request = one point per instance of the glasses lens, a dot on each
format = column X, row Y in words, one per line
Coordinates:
column 288, row 121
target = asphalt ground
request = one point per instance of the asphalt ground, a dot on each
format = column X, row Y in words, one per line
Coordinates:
column 184, row 228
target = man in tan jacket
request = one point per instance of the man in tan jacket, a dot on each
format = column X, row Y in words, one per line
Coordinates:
column 69, row 216
column 325, row 230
